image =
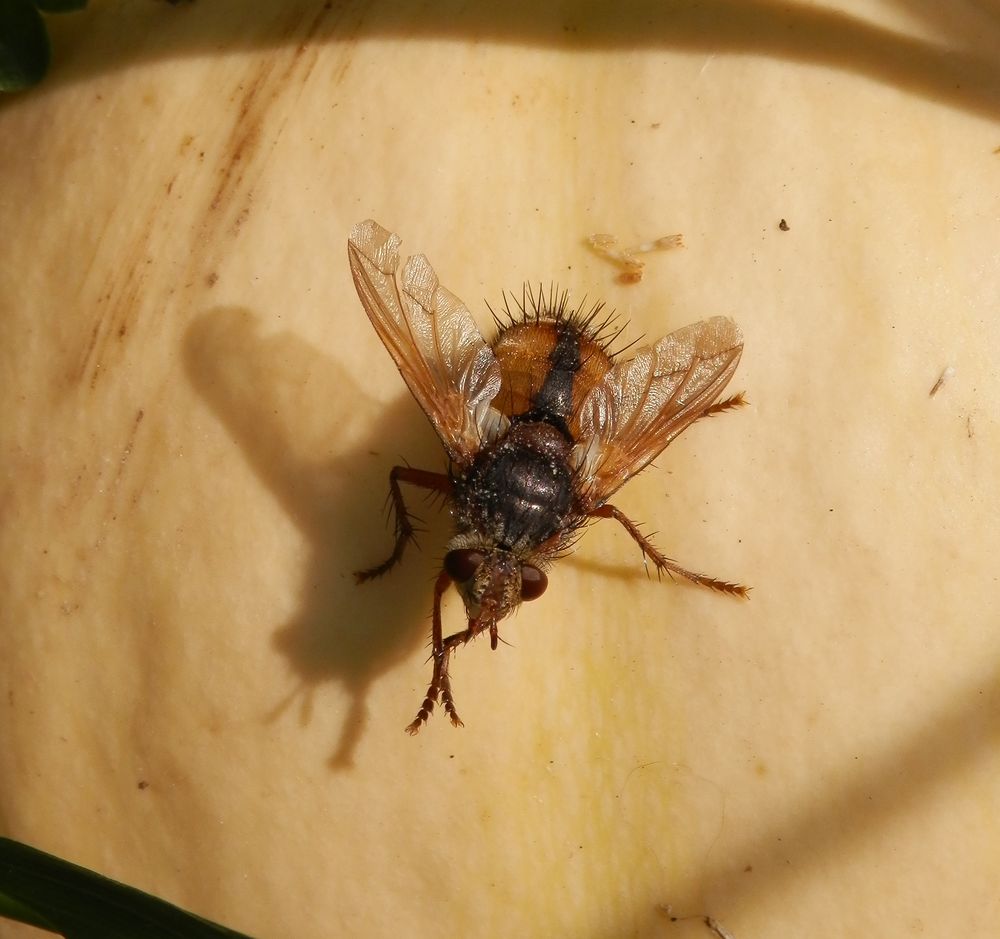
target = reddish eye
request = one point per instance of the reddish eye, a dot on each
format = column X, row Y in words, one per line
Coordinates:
column 533, row 582
column 462, row 565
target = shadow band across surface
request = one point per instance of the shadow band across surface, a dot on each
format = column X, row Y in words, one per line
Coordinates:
column 960, row 67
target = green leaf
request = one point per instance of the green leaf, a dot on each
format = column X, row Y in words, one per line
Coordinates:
column 14, row 909
column 46, row 891
column 24, row 45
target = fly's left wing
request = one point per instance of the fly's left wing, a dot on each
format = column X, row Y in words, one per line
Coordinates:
column 432, row 338
column 642, row 404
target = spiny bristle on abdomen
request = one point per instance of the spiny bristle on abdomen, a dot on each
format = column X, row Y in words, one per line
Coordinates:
column 554, row 306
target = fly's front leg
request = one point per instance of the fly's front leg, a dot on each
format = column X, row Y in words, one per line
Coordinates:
column 438, row 482
column 445, row 679
column 441, row 650
column 662, row 562
column 437, row 654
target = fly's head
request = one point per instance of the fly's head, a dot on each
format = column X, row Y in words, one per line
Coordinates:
column 492, row 581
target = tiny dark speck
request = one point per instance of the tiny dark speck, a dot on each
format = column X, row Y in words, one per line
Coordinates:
column 142, row 784
column 211, row 279
column 783, row 225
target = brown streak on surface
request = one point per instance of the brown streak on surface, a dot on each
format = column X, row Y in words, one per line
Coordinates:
column 124, row 295
column 260, row 104
column 127, row 449
column 89, row 351
column 120, row 297
column 239, row 165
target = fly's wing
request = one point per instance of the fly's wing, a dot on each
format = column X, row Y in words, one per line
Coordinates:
column 642, row 404
column 431, row 337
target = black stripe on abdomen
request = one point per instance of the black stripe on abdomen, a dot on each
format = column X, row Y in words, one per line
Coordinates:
column 555, row 397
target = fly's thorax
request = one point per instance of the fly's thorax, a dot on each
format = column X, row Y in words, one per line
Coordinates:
column 518, row 492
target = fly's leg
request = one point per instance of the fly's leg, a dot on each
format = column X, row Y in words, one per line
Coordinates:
column 438, row 482
column 446, row 699
column 441, row 650
column 437, row 654
column 726, row 404
column 662, row 562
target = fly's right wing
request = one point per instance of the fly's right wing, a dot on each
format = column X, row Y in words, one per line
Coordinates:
column 432, row 338
column 642, row 404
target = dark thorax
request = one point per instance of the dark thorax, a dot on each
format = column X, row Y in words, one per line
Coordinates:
column 519, row 491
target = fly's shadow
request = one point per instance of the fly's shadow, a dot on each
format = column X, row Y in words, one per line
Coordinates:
column 283, row 402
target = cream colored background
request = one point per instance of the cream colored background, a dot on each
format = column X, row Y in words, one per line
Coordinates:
column 198, row 422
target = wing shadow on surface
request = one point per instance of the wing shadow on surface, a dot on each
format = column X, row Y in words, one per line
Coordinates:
column 283, row 404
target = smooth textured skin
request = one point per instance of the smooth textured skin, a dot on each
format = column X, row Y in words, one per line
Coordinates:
column 199, row 422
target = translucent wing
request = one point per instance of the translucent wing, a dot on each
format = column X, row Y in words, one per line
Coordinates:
column 432, row 338
column 642, row 404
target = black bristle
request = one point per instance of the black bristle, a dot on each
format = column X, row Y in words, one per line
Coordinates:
column 539, row 305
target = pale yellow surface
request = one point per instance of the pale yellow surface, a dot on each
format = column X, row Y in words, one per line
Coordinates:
column 198, row 422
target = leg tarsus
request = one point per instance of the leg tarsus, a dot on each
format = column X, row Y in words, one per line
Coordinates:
column 441, row 684
column 425, row 712
column 447, row 699
column 662, row 562
column 737, row 400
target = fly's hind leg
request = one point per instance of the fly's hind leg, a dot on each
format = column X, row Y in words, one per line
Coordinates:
column 737, row 400
column 438, row 482
column 662, row 562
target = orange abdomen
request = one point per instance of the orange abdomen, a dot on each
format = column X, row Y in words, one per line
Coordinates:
column 548, row 368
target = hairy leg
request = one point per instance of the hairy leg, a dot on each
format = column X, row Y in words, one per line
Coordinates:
column 726, row 404
column 441, row 650
column 438, row 482
column 662, row 562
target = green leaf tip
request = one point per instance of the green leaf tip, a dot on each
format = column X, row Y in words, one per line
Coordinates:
column 24, row 45
column 46, row 891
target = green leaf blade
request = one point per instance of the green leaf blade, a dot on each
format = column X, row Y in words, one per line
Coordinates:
column 24, row 45
column 82, row 904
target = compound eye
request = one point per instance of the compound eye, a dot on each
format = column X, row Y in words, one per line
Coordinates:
column 462, row 565
column 533, row 582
